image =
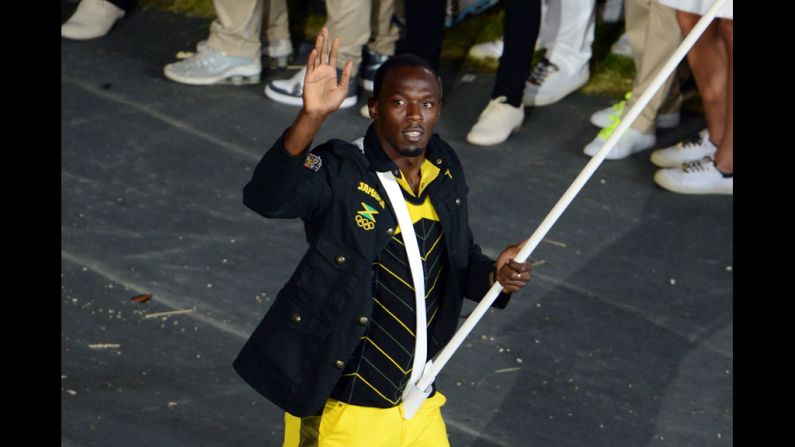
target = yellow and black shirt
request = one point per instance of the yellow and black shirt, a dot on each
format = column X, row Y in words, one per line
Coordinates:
column 377, row 373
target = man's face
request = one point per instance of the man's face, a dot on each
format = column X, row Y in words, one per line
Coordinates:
column 407, row 109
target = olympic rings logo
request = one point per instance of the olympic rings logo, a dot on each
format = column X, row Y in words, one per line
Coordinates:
column 364, row 223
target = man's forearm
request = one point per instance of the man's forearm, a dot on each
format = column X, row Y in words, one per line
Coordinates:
column 302, row 132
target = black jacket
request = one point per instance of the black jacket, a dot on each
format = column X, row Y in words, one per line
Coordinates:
column 298, row 351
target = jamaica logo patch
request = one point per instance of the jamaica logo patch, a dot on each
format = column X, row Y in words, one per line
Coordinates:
column 313, row 162
column 366, row 217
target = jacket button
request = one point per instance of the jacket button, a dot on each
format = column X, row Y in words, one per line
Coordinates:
column 340, row 259
column 390, row 231
column 339, row 364
column 396, row 173
column 296, row 317
column 458, row 200
column 438, row 161
column 362, row 321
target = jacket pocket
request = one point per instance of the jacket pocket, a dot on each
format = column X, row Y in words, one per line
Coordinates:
column 326, row 277
column 290, row 338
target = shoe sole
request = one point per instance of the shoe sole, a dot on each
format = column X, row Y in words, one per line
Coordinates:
column 662, row 181
column 293, row 101
column 553, row 100
column 232, row 77
column 470, row 140
column 611, row 154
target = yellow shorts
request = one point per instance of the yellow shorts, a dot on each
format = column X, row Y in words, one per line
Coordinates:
column 344, row 425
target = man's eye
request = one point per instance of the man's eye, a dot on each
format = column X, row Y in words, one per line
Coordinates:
column 428, row 105
column 399, row 102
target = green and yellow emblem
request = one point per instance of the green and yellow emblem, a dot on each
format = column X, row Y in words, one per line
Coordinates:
column 366, row 217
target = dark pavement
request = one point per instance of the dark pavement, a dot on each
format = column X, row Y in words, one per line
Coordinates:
column 623, row 338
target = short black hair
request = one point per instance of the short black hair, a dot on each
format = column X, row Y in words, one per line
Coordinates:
column 402, row 60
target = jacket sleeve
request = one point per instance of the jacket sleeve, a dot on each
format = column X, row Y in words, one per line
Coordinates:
column 481, row 270
column 289, row 186
column 481, row 275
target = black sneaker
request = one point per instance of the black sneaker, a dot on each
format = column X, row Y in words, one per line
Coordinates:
column 370, row 63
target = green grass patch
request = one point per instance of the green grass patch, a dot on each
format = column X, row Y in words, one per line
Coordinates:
column 191, row 8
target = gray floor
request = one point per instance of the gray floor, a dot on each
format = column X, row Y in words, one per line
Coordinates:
column 624, row 337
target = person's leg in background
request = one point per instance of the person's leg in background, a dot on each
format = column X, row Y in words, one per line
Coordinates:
column 712, row 62
column 277, row 33
column 567, row 31
column 425, row 29
column 384, row 35
column 505, row 112
column 232, row 52
column 654, row 35
column 344, row 21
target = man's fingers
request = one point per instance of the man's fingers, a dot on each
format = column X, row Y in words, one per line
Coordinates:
column 520, row 266
column 310, row 62
column 346, row 76
column 324, row 48
column 334, row 50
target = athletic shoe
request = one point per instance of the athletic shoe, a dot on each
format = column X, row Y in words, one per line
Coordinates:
column 695, row 177
column 605, row 117
column 487, row 50
column 370, row 63
column 210, row 66
column 497, row 121
column 549, row 84
column 92, row 19
column 684, row 151
column 290, row 91
column 631, row 141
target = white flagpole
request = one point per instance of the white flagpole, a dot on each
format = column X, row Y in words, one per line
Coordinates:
column 422, row 388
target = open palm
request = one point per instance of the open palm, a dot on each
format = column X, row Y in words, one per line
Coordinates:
column 323, row 93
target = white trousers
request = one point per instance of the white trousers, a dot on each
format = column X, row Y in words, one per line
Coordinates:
column 567, row 32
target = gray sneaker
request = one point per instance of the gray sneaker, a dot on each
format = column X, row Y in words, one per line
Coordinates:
column 290, row 91
column 210, row 66
column 278, row 52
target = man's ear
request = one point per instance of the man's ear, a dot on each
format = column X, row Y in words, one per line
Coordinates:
column 372, row 106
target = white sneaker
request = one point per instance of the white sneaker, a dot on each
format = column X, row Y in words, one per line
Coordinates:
column 631, row 142
column 695, row 177
column 605, row 117
column 210, row 66
column 92, row 19
column 290, row 91
column 487, row 50
column 549, row 84
column 497, row 121
column 684, row 151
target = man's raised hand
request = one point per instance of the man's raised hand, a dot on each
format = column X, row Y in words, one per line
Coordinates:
column 323, row 94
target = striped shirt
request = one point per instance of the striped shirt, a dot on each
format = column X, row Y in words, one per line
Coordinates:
column 379, row 368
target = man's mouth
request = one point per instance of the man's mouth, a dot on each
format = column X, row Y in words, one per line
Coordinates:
column 413, row 134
